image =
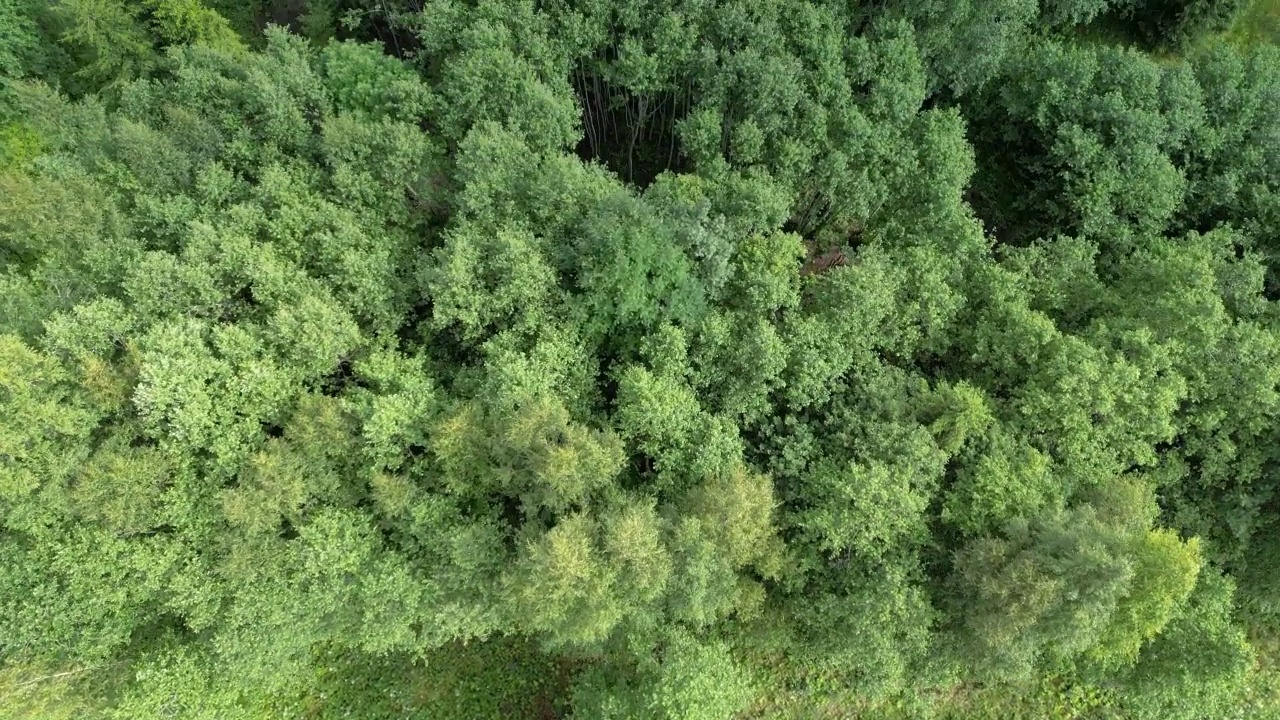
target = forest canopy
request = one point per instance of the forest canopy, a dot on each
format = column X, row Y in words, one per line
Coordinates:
column 639, row 359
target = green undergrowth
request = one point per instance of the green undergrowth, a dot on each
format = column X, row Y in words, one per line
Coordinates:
column 493, row 680
column 503, row 678
column 509, row 678
column 1259, row 23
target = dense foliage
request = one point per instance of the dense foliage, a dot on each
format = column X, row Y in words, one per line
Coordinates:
column 665, row 359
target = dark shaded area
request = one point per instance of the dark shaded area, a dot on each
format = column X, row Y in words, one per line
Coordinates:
column 635, row 135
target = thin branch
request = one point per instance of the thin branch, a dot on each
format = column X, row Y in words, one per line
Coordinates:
column 55, row 676
column 391, row 28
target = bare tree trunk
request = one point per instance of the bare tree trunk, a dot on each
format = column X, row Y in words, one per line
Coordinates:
column 636, row 127
column 589, row 121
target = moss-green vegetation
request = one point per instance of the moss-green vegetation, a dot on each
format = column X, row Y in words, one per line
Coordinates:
column 639, row 359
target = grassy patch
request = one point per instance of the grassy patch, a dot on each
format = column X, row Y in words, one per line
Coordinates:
column 1259, row 23
column 493, row 680
column 18, row 144
column 43, row 693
